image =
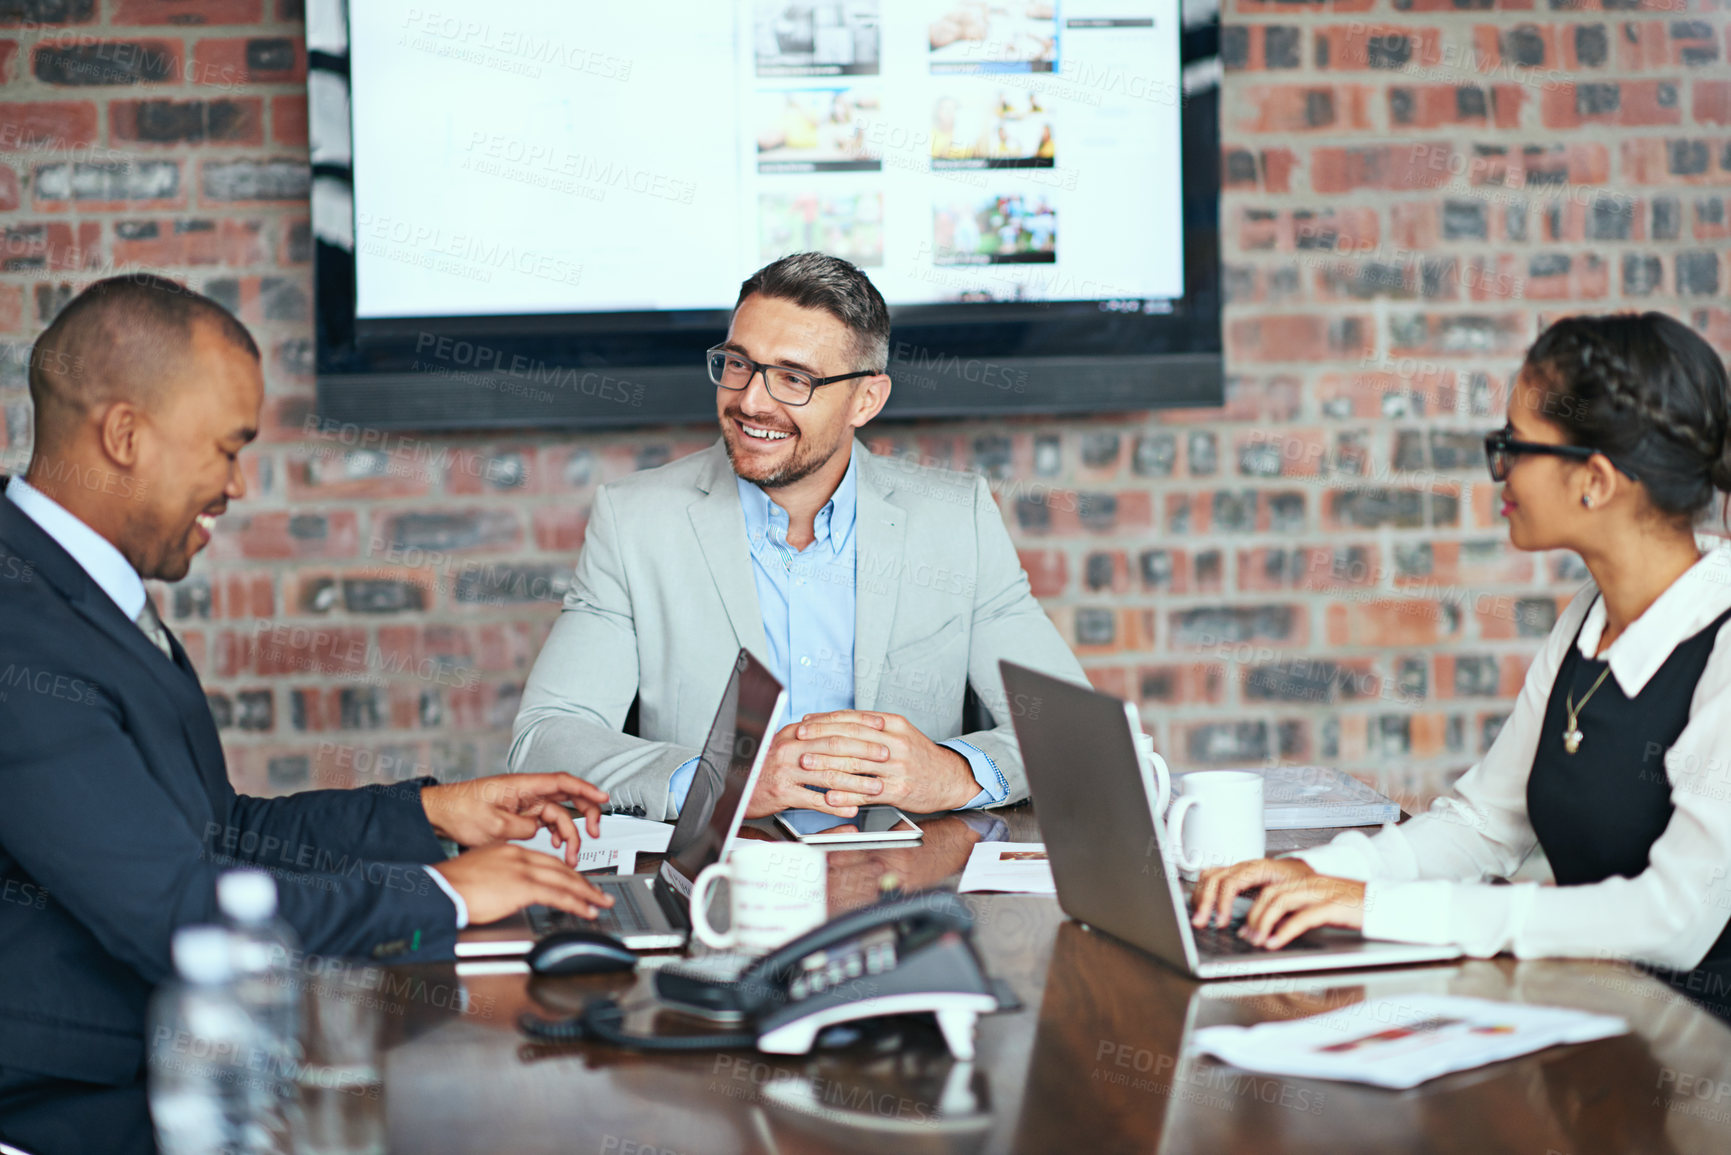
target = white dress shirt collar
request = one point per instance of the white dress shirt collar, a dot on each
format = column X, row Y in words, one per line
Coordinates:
column 1686, row 607
column 106, row 565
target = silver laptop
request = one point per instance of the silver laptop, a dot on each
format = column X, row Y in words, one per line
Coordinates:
column 1107, row 845
column 652, row 911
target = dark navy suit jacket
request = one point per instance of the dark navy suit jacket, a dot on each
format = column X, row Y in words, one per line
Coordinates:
column 116, row 816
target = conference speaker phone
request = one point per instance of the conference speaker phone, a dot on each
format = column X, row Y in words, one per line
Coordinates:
column 910, row 954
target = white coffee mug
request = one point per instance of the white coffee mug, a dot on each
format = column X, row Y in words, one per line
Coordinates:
column 1157, row 767
column 1227, row 823
column 776, row 892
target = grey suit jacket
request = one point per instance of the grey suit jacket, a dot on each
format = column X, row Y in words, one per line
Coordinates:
column 664, row 597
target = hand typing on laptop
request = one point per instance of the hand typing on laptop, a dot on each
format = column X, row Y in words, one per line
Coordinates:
column 1118, row 869
column 507, row 807
column 1292, row 899
column 860, row 758
column 497, row 880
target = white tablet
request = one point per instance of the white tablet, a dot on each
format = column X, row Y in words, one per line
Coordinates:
column 871, row 824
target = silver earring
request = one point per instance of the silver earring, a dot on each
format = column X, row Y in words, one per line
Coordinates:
column 1587, row 500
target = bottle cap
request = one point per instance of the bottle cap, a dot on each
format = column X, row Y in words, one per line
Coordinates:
column 247, row 895
column 201, row 954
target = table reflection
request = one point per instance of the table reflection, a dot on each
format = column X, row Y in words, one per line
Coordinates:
column 1096, row 1059
column 1111, row 1044
column 855, row 875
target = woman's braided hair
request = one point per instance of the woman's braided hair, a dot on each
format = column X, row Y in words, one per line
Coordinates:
column 1648, row 392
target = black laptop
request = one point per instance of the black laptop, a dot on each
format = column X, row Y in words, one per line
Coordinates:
column 652, row 911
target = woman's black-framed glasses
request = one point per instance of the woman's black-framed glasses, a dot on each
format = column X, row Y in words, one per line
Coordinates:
column 731, row 370
column 1502, row 447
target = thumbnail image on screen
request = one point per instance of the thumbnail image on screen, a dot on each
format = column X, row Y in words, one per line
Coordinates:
column 838, row 38
column 1005, row 129
column 997, row 283
column 993, row 36
column 850, row 226
column 1001, row 230
column 818, row 130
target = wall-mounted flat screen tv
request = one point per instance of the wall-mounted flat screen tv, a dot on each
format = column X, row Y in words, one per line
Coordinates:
column 529, row 213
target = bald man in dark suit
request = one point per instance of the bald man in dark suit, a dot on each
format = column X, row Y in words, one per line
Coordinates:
column 116, row 813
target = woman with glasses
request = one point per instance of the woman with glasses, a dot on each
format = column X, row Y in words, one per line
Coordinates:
column 1616, row 760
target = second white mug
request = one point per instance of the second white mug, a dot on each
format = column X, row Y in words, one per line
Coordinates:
column 776, row 891
column 1224, row 809
column 1155, row 765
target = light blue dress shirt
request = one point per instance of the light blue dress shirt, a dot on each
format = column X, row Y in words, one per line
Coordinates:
column 806, row 598
column 109, row 569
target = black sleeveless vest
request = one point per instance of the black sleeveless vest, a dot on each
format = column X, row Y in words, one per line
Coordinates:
column 1597, row 812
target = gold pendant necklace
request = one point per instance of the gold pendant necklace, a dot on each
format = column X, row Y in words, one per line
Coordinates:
column 1572, row 735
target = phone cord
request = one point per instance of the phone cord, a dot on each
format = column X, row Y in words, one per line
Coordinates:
column 603, row 1019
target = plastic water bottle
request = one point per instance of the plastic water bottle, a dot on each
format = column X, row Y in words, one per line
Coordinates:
column 264, row 950
column 205, row 1054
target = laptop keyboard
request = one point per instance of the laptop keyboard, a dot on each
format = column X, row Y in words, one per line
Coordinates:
column 1224, row 940
column 628, row 913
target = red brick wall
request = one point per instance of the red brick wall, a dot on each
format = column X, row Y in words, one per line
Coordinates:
column 1315, row 571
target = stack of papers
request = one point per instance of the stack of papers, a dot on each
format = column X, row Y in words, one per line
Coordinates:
column 1312, row 797
column 1014, row 867
column 622, row 839
column 1401, row 1042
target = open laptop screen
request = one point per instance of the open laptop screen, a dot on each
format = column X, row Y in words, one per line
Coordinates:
column 713, row 809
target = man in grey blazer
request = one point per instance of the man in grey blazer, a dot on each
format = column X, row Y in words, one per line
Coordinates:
column 876, row 590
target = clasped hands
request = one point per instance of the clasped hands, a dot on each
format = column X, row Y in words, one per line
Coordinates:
column 1292, row 899
column 485, row 815
column 859, row 758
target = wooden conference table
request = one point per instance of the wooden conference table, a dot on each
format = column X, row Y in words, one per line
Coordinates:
column 1094, row 1061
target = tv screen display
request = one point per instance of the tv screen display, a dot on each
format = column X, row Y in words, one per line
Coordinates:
column 573, row 192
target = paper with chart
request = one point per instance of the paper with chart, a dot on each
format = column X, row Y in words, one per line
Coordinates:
column 1010, row 867
column 1402, row 1041
column 622, row 839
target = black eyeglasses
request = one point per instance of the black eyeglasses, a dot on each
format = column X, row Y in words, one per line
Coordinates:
column 1502, row 446
column 730, row 370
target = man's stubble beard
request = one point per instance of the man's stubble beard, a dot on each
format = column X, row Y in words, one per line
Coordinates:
column 794, row 471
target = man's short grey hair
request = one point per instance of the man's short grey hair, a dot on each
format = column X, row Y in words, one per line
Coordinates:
column 820, row 281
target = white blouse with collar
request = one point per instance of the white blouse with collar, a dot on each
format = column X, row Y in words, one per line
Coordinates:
column 1426, row 878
